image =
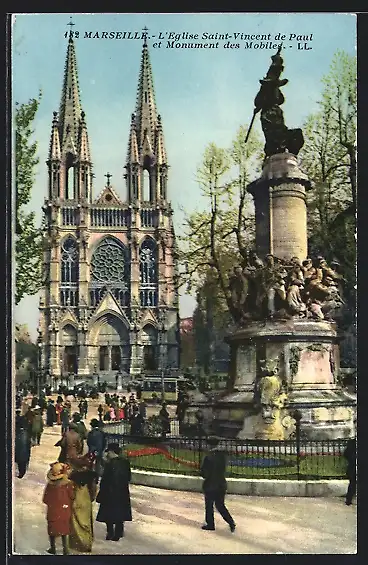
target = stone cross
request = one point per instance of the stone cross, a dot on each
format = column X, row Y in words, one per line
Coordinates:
column 108, row 176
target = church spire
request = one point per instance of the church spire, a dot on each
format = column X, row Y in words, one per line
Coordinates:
column 70, row 106
column 146, row 112
column 146, row 148
column 70, row 164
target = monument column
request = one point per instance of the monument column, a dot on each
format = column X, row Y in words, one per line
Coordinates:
column 280, row 208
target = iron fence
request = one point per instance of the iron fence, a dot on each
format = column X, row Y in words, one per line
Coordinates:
column 262, row 459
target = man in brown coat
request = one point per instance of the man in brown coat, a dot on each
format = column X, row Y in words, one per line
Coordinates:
column 71, row 445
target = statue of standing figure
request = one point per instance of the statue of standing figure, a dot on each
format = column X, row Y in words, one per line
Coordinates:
column 268, row 101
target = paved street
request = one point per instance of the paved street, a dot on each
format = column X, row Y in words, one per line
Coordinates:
column 169, row 522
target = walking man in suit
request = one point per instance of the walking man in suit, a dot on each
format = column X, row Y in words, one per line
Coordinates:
column 214, row 485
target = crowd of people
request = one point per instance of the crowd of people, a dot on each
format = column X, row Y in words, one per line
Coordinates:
column 89, row 469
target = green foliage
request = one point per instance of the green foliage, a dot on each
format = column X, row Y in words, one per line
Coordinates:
column 25, row 350
column 153, row 426
column 217, row 236
column 28, row 244
column 329, row 159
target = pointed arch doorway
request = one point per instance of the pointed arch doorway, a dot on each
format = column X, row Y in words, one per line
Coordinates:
column 110, row 339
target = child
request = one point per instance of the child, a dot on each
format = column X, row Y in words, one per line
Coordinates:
column 58, row 496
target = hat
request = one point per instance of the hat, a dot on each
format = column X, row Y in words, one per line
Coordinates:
column 213, row 441
column 115, row 447
column 76, row 417
column 95, row 423
column 37, row 407
column 57, row 471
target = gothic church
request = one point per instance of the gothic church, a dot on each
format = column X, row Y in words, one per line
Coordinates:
column 110, row 301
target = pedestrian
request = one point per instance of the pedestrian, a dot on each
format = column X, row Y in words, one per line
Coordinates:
column 50, row 413
column 136, row 422
column 85, row 490
column 214, row 485
column 96, row 441
column 29, row 415
column 100, row 412
column 64, row 419
column 58, row 496
column 114, row 497
column 25, row 407
column 81, row 408
column 85, row 407
column 165, row 419
column 350, row 456
column 37, row 425
column 22, row 444
column 143, row 409
column 59, row 409
column 112, row 413
column 34, row 402
column 80, row 427
column 71, row 445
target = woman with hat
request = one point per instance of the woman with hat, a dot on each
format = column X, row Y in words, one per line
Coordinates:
column 85, row 490
column 58, row 497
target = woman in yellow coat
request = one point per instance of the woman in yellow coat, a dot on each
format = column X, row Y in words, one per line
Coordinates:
column 85, row 489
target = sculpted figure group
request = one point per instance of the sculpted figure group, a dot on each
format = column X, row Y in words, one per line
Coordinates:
column 275, row 288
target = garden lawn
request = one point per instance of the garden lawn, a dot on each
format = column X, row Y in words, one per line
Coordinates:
column 185, row 461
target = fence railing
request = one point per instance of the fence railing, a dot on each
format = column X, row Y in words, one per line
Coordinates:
column 262, row 459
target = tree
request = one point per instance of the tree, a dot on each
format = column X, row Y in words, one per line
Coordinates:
column 26, row 350
column 28, row 240
column 329, row 159
column 217, row 238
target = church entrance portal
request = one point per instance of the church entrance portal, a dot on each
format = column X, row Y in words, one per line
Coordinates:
column 113, row 349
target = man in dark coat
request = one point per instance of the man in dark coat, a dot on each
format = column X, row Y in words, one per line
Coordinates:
column 65, row 418
column 114, row 496
column 85, row 408
column 214, row 485
column 96, row 441
column 136, row 422
column 350, row 456
column 165, row 420
column 22, row 444
column 50, row 413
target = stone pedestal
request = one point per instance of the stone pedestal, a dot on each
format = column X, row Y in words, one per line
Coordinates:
column 280, row 208
column 308, row 360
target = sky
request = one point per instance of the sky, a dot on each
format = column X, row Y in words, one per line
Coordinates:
column 203, row 95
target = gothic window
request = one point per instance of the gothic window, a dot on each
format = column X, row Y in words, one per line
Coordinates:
column 145, row 97
column 69, row 177
column 110, row 269
column 145, row 186
column 69, row 273
column 148, row 273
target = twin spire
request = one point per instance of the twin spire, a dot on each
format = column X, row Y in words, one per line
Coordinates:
column 69, row 135
column 146, row 143
column 69, row 130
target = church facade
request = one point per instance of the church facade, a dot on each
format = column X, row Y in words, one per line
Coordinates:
column 110, row 301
